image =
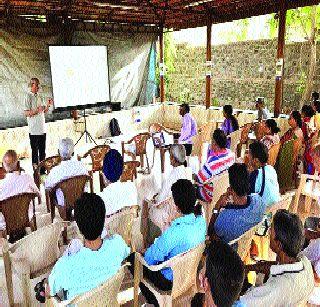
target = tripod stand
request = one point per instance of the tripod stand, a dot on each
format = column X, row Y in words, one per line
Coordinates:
column 86, row 132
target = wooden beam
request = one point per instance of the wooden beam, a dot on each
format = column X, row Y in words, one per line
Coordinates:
column 280, row 59
column 208, row 64
column 161, row 66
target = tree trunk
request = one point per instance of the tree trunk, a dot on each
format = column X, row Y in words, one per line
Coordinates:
column 312, row 58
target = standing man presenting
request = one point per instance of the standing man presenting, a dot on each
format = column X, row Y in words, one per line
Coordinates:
column 188, row 129
column 34, row 110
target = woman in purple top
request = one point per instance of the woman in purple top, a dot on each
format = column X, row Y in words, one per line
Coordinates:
column 230, row 123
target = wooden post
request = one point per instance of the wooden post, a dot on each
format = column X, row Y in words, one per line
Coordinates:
column 161, row 66
column 208, row 65
column 280, row 59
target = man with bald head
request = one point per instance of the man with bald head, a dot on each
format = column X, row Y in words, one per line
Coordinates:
column 15, row 182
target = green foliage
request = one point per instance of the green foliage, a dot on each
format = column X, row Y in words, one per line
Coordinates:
column 298, row 23
column 169, row 55
column 238, row 33
column 215, row 102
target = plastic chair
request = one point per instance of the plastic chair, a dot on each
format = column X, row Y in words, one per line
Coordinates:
column 48, row 164
column 97, row 154
column 244, row 242
column 103, row 295
column 129, row 171
column 220, row 185
column 31, row 257
column 184, row 267
column 140, row 142
column 2, row 173
column 15, row 210
column 121, row 223
column 307, row 187
column 235, row 140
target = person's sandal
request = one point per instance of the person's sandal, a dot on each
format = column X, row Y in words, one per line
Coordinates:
column 39, row 289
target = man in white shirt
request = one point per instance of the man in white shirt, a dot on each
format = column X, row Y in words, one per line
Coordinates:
column 15, row 183
column 160, row 214
column 34, row 110
column 116, row 194
column 67, row 169
column 290, row 278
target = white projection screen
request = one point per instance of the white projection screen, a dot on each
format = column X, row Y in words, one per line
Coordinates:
column 79, row 75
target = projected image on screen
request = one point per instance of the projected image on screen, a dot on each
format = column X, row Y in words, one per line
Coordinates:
column 79, row 75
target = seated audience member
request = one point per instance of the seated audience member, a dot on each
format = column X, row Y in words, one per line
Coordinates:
column 116, row 194
column 307, row 113
column 314, row 98
column 271, row 130
column 239, row 211
column 160, row 215
column 294, row 131
column 230, row 123
column 95, row 262
column 289, row 280
column 68, row 168
column 222, row 277
column 219, row 160
column 15, row 183
column 263, row 112
column 263, row 178
column 315, row 121
column 186, row 232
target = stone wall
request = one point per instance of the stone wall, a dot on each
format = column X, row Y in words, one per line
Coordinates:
column 241, row 72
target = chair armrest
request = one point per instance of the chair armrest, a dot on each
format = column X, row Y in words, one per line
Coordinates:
column 153, row 268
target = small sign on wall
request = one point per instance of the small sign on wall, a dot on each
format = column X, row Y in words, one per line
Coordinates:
column 279, row 68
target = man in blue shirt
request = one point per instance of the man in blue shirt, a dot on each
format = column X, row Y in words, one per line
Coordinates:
column 186, row 232
column 263, row 178
column 240, row 210
column 222, row 277
column 95, row 262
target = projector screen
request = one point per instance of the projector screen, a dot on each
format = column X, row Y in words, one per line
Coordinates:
column 79, row 75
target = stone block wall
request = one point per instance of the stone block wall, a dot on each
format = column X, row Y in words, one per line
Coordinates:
column 242, row 71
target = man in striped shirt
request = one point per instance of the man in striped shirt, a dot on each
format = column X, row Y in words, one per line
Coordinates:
column 219, row 160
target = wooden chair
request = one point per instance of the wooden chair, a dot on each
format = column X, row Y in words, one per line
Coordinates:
column 184, row 267
column 244, row 242
column 121, row 223
column 48, row 164
column 220, row 184
column 129, row 171
column 96, row 154
column 306, row 188
column 15, row 210
column 140, row 142
column 31, row 257
column 235, row 140
column 103, row 295
column 273, row 154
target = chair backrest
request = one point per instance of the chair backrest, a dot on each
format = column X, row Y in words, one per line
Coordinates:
column 235, row 139
column 15, row 211
column 307, row 187
column 284, row 203
column 244, row 242
column 259, row 131
column 121, row 223
column 39, row 249
column 141, row 143
column 103, row 295
column 184, row 267
column 220, row 186
column 273, row 154
column 129, row 171
column 48, row 164
column 97, row 154
column 245, row 130
column 72, row 189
